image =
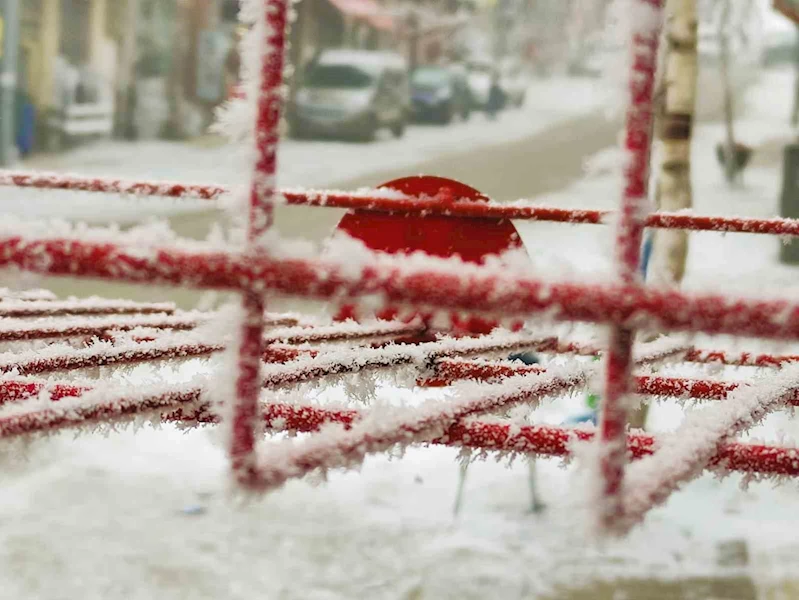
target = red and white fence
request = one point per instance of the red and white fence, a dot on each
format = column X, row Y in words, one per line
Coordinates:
column 132, row 335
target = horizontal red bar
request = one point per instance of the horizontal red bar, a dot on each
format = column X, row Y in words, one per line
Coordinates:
column 34, row 295
column 15, row 391
column 52, row 308
column 405, row 205
column 31, row 363
column 107, row 410
column 448, row 371
column 541, row 440
column 556, row 441
column 744, row 359
column 476, row 289
column 58, row 181
column 331, row 363
column 63, row 327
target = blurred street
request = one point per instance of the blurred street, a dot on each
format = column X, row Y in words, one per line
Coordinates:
column 531, row 152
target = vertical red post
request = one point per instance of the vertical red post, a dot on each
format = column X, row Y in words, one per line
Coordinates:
column 629, row 234
column 246, row 413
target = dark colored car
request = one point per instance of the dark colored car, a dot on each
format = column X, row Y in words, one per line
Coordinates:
column 439, row 94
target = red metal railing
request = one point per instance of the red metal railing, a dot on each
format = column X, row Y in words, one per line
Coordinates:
column 395, row 203
column 260, row 268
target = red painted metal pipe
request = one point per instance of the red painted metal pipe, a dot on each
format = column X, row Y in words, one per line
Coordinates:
column 103, row 412
column 476, row 289
column 246, row 410
column 448, row 371
column 556, row 441
column 54, row 308
column 744, row 359
column 14, row 330
column 612, row 451
column 541, row 440
column 407, row 206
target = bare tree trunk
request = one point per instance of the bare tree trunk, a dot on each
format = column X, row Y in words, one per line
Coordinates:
column 673, row 190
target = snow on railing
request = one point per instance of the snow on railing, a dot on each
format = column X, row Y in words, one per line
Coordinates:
column 423, row 355
column 546, row 440
column 385, row 427
column 89, row 306
column 389, row 201
column 444, row 284
column 744, row 359
column 388, row 427
column 12, row 329
column 7, row 294
column 19, row 390
column 392, row 202
column 684, row 455
column 60, row 181
column 611, row 452
column 267, row 39
column 60, row 357
column 491, row 435
column 93, row 406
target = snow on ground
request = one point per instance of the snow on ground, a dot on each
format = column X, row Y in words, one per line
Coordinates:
column 305, row 164
column 147, row 514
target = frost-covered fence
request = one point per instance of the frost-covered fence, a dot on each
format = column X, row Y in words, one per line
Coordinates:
column 269, row 353
column 389, row 201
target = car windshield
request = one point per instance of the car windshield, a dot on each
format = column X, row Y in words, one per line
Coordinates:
column 345, row 77
column 430, row 77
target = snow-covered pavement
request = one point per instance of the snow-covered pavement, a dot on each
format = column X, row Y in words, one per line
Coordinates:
column 306, row 164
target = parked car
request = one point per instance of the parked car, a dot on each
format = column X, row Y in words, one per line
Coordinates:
column 440, row 93
column 352, row 93
column 480, row 71
column 514, row 82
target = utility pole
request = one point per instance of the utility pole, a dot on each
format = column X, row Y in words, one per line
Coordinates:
column 9, row 46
